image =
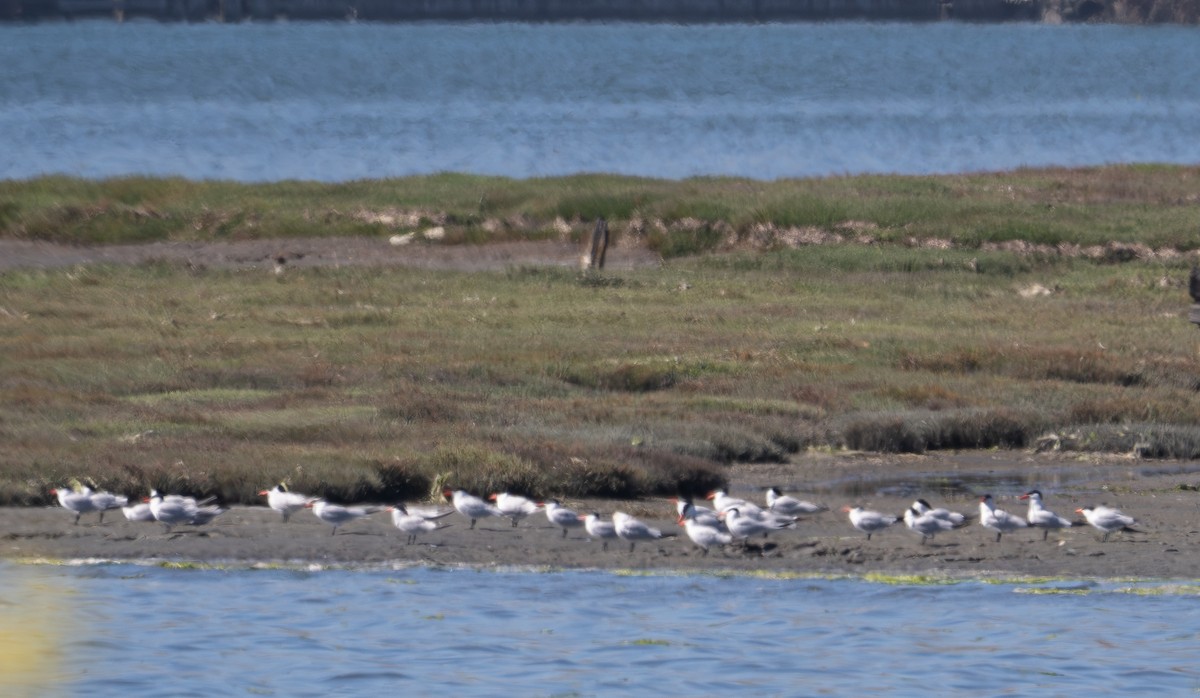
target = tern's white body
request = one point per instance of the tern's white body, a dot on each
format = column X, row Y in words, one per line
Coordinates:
column 787, row 505
column 702, row 515
column 337, row 515
column 923, row 507
column 926, row 525
column 869, row 521
column 416, row 521
column 561, row 516
column 470, row 506
column 514, row 506
column 723, row 502
column 633, row 530
column 138, row 512
column 284, row 502
column 1039, row 516
column 1107, row 519
column 78, row 502
column 742, row 526
column 175, row 510
column 998, row 520
column 599, row 529
column 702, row 534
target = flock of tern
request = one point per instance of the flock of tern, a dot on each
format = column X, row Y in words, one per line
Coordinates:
column 730, row 521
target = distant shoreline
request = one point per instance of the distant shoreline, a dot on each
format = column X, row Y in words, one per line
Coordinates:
column 682, row 11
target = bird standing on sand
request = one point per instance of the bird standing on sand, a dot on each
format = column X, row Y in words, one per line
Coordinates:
column 926, row 525
column 1108, row 520
column 869, row 521
column 599, row 529
column 633, row 530
column 283, row 501
column 337, row 515
column 998, row 520
column 513, row 506
column 561, row 516
column 702, row 534
column 470, row 506
column 416, row 522
column 788, row 505
column 1041, row 517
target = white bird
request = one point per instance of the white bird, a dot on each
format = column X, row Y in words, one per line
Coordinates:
column 869, row 521
column 633, row 530
column 998, row 520
column 138, row 512
column 599, row 529
column 470, row 506
column 1041, row 517
column 1108, row 520
column 722, row 501
column 770, row 520
column 703, row 535
column 283, row 501
column 742, row 526
column 337, row 515
column 78, row 502
column 561, row 516
column 176, row 510
column 513, row 506
column 790, row 506
column 927, row 525
column 924, row 507
column 702, row 515
column 104, row 501
column 416, row 522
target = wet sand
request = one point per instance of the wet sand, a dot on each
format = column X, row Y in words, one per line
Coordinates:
column 1161, row 495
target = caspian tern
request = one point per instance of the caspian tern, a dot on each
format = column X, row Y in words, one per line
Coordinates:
column 742, row 526
column 927, row 525
column 790, row 506
column 748, row 510
column 416, row 522
column 103, row 501
column 703, row 535
column 702, row 515
column 1108, row 520
column 283, row 501
column 138, row 512
column 924, row 507
column 470, row 506
column 78, row 502
column 561, row 516
column 869, row 521
column 722, row 501
column 337, row 515
column 1041, row 517
column 998, row 520
column 514, row 506
column 599, row 529
column 632, row 530
column 175, row 510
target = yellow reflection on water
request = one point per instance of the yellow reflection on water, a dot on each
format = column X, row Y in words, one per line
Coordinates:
column 35, row 623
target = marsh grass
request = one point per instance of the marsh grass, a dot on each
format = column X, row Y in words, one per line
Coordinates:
column 374, row 384
column 1148, row 205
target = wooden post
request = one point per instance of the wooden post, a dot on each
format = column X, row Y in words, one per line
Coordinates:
column 599, row 244
column 1194, row 291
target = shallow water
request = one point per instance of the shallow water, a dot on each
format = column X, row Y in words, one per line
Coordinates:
column 342, row 101
column 148, row 630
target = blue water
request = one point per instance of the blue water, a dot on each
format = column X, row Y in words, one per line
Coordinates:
column 144, row 630
column 343, row 101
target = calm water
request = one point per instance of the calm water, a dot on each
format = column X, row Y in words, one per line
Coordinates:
column 134, row 630
column 342, row 101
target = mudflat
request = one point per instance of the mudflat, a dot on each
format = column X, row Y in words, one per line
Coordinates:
column 1163, row 497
